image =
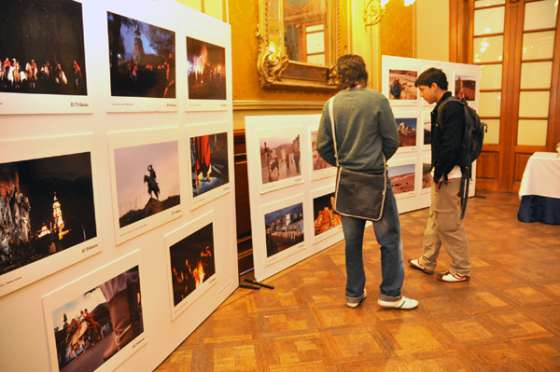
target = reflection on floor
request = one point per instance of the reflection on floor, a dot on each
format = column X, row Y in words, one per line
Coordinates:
column 506, row 318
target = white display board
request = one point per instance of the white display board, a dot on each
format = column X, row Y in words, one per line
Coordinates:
column 89, row 210
column 283, row 186
column 412, row 115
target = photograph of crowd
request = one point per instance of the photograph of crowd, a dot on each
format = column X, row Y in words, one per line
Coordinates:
column 406, row 127
column 280, row 158
column 95, row 326
column 324, row 214
column 46, row 207
column 401, row 84
column 42, row 47
column 427, row 130
column 209, row 162
column 427, row 179
column 318, row 162
column 284, row 228
column 147, row 178
column 206, row 70
column 402, row 178
column 465, row 88
column 141, row 58
column 192, row 262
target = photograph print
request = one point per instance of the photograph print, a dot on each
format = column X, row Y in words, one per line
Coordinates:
column 284, row 228
column 209, row 162
column 141, row 58
column 192, row 262
column 46, row 207
column 465, row 88
column 318, row 162
column 206, row 70
column 147, row 180
column 402, row 178
column 406, row 128
column 402, row 85
column 280, row 157
column 427, row 179
column 427, row 129
column 324, row 215
column 93, row 327
column 42, row 47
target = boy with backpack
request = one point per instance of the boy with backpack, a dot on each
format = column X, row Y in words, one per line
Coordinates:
column 457, row 135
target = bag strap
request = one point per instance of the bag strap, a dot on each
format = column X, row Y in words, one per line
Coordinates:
column 331, row 117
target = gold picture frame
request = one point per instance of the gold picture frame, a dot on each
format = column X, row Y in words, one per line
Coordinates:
column 277, row 71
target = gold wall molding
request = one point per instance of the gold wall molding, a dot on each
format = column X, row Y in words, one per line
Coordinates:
column 266, row 105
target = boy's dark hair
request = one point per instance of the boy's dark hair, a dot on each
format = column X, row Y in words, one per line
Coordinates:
column 351, row 71
column 433, row 75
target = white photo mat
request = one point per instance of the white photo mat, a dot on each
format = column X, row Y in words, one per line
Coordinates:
column 44, row 147
column 195, row 202
column 284, row 133
column 156, row 16
column 408, row 113
column 313, row 126
column 128, row 139
column 176, row 236
column 404, row 161
column 398, row 63
column 42, row 103
column 58, row 297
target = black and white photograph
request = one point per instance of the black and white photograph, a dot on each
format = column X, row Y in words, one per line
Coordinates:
column 209, row 162
column 92, row 328
column 42, row 47
column 284, row 229
column 192, row 262
column 141, row 58
column 147, row 180
column 206, row 70
column 46, row 207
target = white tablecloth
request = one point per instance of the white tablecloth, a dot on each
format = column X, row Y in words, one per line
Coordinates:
column 541, row 176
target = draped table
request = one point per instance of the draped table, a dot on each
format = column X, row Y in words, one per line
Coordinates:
column 540, row 189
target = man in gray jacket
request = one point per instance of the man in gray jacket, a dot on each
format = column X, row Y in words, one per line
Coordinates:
column 366, row 135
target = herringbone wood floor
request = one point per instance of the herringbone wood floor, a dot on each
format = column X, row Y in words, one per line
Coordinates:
column 506, row 318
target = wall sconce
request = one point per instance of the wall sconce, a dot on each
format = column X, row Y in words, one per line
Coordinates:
column 375, row 9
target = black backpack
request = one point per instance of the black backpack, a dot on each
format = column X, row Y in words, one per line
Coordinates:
column 473, row 138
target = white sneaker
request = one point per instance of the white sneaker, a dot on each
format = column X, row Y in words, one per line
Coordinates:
column 355, row 302
column 404, row 303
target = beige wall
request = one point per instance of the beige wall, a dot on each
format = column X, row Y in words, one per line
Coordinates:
column 214, row 8
column 432, row 29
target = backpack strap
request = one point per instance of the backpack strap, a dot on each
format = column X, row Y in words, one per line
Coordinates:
column 444, row 103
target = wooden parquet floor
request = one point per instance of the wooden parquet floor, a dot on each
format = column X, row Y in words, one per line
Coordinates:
column 506, row 318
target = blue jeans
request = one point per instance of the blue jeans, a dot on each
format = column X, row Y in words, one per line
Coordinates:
column 388, row 235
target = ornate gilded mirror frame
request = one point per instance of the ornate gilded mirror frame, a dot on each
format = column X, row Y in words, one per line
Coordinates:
column 276, row 70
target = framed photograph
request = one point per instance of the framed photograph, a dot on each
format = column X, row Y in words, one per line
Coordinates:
column 43, row 62
column 465, row 87
column 209, row 163
column 206, row 75
column 47, row 208
column 284, row 230
column 401, row 85
column 427, row 179
column 403, row 179
column 320, row 168
column 326, row 222
column 97, row 321
column 407, row 124
column 192, row 262
column 280, row 158
column 142, row 65
column 427, row 130
column 146, row 180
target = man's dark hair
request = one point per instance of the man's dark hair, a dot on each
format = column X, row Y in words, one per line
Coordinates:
column 432, row 75
column 351, row 71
